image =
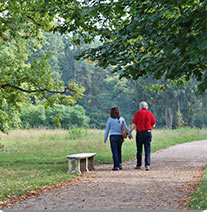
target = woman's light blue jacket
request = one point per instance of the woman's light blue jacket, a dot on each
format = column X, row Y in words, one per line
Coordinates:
column 113, row 127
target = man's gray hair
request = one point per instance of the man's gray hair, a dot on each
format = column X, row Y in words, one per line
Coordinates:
column 143, row 105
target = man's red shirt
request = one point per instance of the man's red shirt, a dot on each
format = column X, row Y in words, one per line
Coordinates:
column 144, row 120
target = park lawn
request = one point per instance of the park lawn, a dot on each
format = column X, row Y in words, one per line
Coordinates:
column 33, row 159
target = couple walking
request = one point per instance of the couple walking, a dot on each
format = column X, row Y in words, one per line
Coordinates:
column 143, row 121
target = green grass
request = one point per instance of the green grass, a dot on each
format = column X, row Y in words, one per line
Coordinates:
column 199, row 197
column 32, row 159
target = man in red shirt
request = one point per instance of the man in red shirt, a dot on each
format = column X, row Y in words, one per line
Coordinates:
column 143, row 121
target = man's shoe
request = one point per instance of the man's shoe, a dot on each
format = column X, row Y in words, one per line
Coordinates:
column 120, row 167
column 138, row 167
column 115, row 169
column 147, row 168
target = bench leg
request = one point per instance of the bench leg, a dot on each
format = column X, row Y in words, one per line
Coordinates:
column 91, row 163
column 74, row 166
column 84, row 164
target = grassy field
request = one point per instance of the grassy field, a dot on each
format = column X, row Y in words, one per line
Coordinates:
column 33, row 159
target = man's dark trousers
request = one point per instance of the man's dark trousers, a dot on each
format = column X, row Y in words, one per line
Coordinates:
column 143, row 138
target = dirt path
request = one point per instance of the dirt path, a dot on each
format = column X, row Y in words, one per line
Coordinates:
column 165, row 186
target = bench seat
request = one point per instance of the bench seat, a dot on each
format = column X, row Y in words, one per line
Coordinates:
column 80, row 162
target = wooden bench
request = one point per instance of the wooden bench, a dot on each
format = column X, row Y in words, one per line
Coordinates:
column 80, row 162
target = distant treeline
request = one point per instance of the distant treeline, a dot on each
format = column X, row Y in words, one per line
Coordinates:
column 172, row 106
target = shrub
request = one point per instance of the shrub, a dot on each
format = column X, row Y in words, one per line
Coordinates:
column 178, row 120
column 33, row 116
column 60, row 116
column 77, row 132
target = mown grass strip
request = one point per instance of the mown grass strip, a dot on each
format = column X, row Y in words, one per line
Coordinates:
column 199, row 196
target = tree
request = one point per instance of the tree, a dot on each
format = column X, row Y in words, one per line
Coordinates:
column 23, row 78
column 164, row 39
column 164, row 97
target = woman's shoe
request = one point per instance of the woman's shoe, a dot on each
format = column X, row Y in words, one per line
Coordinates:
column 138, row 167
column 147, row 168
column 115, row 169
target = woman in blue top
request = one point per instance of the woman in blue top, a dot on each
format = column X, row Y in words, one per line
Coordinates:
column 113, row 126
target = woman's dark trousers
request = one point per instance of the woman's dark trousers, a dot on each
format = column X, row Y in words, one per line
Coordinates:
column 116, row 143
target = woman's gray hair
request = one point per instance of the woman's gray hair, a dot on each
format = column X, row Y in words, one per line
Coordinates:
column 143, row 105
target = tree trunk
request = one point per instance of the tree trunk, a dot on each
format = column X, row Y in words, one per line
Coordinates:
column 168, row 117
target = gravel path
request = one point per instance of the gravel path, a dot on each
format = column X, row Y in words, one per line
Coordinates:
column 175, row 171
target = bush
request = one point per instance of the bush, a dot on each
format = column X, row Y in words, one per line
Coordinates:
column 178, row 120
column 60, row 116
column 33, row 116
column 77, row 132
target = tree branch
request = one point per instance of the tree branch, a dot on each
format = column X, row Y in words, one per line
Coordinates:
column 3, row 10
column 36, row 90
column 33, row 20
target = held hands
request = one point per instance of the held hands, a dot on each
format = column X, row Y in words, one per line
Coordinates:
column 130, row 137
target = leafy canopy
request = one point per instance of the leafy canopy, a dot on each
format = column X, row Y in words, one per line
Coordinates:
column 22, row 80
column 23, row 77
column 164, row 39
